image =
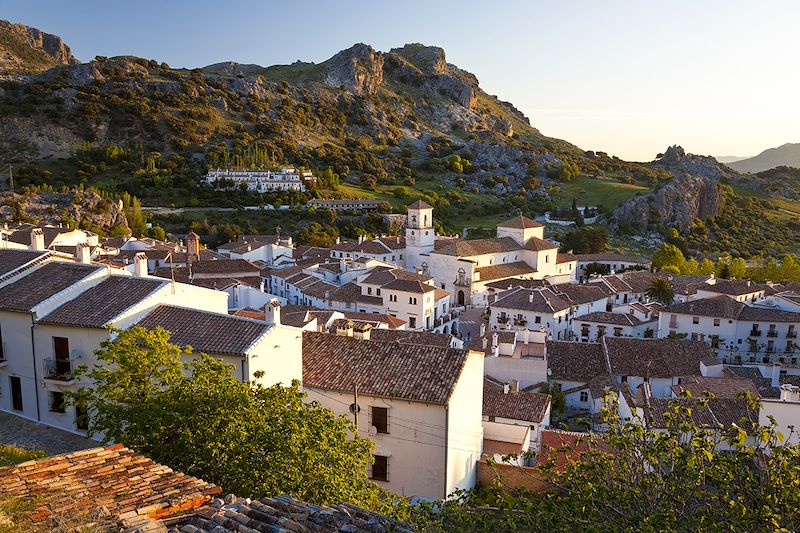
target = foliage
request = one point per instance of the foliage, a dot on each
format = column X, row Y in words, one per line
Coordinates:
column 11, row 454
column 133, row 213
column 197, row 417
column 686, row 477
column 597, row 268
column 661, row 290
column 585, row 240
column 668, row 255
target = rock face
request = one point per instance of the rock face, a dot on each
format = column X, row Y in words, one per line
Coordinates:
column 677, row 161
column 676, row 203
column 78, row 207
column 25, row 49
column 359, row 69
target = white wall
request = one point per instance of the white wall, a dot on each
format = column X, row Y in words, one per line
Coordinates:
column 528, row 371
column 464, row 426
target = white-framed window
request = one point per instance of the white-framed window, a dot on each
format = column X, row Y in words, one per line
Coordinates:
column 584, row 396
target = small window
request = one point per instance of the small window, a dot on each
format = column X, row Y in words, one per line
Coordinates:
column 695, row 320
column 369, row 290
column 412, row 322
column 380, row 468
column 716, row 321
column 537, row 320
column 380, row 419
column 378, row 291
column 584, row 396
column 57, row 402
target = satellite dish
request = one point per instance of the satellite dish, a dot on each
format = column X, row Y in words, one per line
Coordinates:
column 353, row 408
column 372, row 431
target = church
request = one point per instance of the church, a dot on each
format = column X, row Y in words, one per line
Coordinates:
column 465, row 267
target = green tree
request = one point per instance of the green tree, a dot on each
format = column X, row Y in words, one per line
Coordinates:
column 685, row 477
column 197, row 417
column 661, row 290
column 132, row 208
column 668, row 255
column 585, row 240
column 157, row 232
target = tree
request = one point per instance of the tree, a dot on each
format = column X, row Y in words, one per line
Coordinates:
column 661, row 290
column 585, row 240
column 132, row 208
column 158, row 233
column 668, row 255
column 198, row 418
column 685, row 477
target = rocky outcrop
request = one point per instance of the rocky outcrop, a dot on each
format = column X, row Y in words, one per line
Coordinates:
column 359, row 69
column 676, row 161
column 676, row 203
column 24, row 49
column 86, row 209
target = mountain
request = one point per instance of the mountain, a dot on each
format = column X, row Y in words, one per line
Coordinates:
column 787, row 155
column 727, row 159
column 25, row 50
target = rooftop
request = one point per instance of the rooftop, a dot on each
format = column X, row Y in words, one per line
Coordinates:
column 403, row 371
column 505, row 270
column 656, row 357
column 520, row 222
column 604, row 317
column 535, row 300
column 205, row 332
column 525, row 406
column 225, row 266
column 13, row 260
column 25, row 293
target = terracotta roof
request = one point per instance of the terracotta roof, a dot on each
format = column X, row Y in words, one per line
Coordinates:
column 392, row 321
column 96, row 307
column 351, row 292
column 27, row 292
column 391, row 370
column 281, row 514
column 764, row 314
column 607, row 257
column 603, row 317
column 384, row 275
column 520, row 222
column 23, row 234
column 511, row 283
column 656, row 357
column 721, row 387
column 538, row 245
column 505, row 270
column 419, row 204
column 733, row 287
column 462, row 248
column 640, row 280
column 245, row 243
column 564, row 257
column 12, row 260
column 525, row 406
column 535, row 300
column 128, row 485
column 225, row 266
column 719, row 306
column 575, row 361
column 561, row 447
column 211, row 333
column 406, row 285
column 400, row 336
column 581, row 293
column 722, row 412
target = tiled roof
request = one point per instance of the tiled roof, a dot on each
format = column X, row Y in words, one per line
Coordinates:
column 407, row 285
column 179, row 274
column 687, row 285
column 46, row 281
column 656, row 357
column 383, row 275
column 763, row 314
column 246, row 243
column 13, row 260
column 284, row 514
column 603, row 317
column 128, row 485
column 351, row 292
column 511, row 283
column 607, row 257
column 535, row 300
column 719, row 306
column 575, row 361
column 23, row 234
column 507, row 270
column 538, row 245
column 462, row 248
column 211, row 333
column 526, row 406
column 722, row 412
column 392, row 321
column 561, row 447
column 764, row 385
column 424, row 338
column 225, row 266
column 520, row 222
column 564, row 257
column 391, row 370
column 734, row 287
column 419, row 204
column 96, row 307
column 581, row 293
column 722, row 387
column 640, row 280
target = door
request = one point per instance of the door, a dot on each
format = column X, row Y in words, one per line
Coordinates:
column 16, row 393
column 460, row 297
column 61, row 350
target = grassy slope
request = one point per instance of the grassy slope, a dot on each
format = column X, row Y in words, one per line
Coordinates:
column 597, row 191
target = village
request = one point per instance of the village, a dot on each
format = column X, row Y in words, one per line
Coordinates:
column 448, row 354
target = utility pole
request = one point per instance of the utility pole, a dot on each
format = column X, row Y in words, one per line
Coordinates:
column 355, row 406
column 11, row 176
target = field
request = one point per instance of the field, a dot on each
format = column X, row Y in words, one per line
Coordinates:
column 597, row 192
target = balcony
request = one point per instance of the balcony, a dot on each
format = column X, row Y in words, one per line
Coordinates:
column 755, row 332
column 520, row 322
column 60, row 370
column 791, row 335
column 502, row 320
column 772, row 333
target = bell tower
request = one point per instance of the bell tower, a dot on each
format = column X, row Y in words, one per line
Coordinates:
column 420, row 235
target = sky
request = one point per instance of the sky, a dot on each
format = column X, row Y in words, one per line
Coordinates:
column 626, row 77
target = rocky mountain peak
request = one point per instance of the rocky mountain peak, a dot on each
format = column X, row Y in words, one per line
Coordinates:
column 430, row 60
column 24, row 49
column 359, row 69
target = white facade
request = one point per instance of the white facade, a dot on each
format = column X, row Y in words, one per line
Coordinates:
column 288, row 179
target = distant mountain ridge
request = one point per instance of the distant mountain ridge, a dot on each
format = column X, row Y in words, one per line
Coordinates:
column 731, row 158
column 787, row 155
column 28, row 50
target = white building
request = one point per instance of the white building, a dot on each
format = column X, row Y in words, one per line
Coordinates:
column 271, row 249
column 263, row 181
column 465, row 267
column 420, row 405
column 509, row 413
column 590, row 327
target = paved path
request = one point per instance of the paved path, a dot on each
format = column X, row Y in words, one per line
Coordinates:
column 469, row 323
column 34, row 436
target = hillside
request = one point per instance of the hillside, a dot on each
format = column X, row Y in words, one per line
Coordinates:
column 25, row 50
column 787, row 155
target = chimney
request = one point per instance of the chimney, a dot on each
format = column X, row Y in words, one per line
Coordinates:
column 192, row 247
column 37, row 239
column 272, row 312
column 514, row 385
column 362, row 332
column 527, row 336
column 530, row 297
column 398, row 239
column 83, row 253
column 483, row 329
column 140, row 265
column 494, row 340
column 506, row 388
column 790, row 393
column 776, row 376
column 484, row 343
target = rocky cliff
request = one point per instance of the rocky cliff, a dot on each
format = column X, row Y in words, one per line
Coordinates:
column 24, row 49
column 82, row 209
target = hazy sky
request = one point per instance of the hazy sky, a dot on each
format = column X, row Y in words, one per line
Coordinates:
column 629, row 78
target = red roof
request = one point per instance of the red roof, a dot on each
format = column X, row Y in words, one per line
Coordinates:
column 566, row 446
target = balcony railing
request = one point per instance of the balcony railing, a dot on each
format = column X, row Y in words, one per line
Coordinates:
column 755, row 332
column 502, row 320
column 791, row 335
column 520, row 322
column 772, row 333
column 58, row 369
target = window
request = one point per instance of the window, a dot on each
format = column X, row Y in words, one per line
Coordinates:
column 716, row 321
column 380, row 419
column 584, row 396
column 16, row 393
column 57, row 402
column 558, row 386
column 537, row 320
column 61, row 348
column 392, row 297
column 546, row 258
column 378, row 291
column 412, row 322
column 695, row 320
column 694, row 336
column 624, row 379
column 412, row 300
column 369, row 290
column 380, row 468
